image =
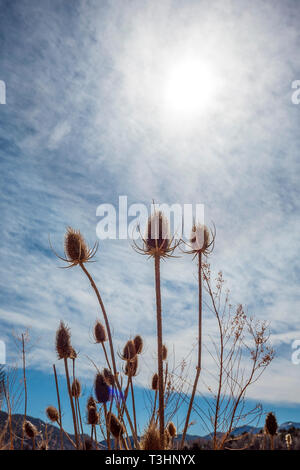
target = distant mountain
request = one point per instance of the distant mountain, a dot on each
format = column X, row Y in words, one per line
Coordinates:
column 53, row 432
column 288, row 425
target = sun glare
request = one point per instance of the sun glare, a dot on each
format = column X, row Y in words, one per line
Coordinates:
column 190, row 88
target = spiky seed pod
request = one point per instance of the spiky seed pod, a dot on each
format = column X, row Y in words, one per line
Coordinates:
column 108, row 377
column 271, row 425
column 100, row 335
column 157, row 237
column 288, row 440
column 154, row 384
column 129, row 351
column 116, row 428
column 76, row 388
column 52, row 414
column 164, row 352
column 131, row 367
column 167, row 439
column 73, row 354
column 150, row 440
column 200, row 238
column 172, row 429
column 102, row 390
column 88, row 444
column 92, row 416
column 91, row 403
column 76, row 248
column 63, row 342
column 30, row 429
column 138, row 344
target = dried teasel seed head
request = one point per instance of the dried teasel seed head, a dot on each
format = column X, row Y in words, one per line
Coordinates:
column 154, row 383
column 43, row 445
column 200, row 238
column 131, row 367
column 73, row 354
column 172, row 429
column 52, row 414
column 129, row 351
column 271, row 425
column 102, row 390
column 100, row 335
column 92, row 416
column 76, row 248
column 88, row 444
column 63, row 342
column 164, row 352
column 29, row 429
column 138, row 344
column 150, row 440
column 288, row 440
column 91, row 403
column 108, row 377
column 157, row 236
column 167, row 439
column 76, row 388
column 116, row 428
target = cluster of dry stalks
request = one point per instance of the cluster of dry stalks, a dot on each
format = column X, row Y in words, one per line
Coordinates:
column 108, row 411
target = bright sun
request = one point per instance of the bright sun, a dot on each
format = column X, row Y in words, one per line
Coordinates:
column 190, row 88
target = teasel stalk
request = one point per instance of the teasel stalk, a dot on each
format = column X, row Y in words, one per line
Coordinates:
column 25, row 389
column 65, row 351
column 158, row 244
column 78, row 253
column 201, row 243
column 59, row 409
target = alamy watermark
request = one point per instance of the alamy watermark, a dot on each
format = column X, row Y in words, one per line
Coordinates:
column 2, row 92
column 295, row 357
column 130, row 221
column 296, row 94
column 2, row 352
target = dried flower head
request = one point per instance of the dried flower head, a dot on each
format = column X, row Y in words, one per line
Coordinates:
column 271, row 425
column 129, row 351
column 138, row 343
column 100, row 335
column 102, row 390
column 92, row 416
column 63, row 342
column 88, row 443
column 76, row 388
column 154, row 383
column 201, row 240
column 29, row 429
column 76, row 248
column 73, row 354
column 43, row 445
column 91, row 403
column 131, row 367
column 288, row 440
column 150, row 440
column 157, row 241
column 108, row 377
column 52, row 414
column 164, row 352
column 172, row 429
column 116, row 428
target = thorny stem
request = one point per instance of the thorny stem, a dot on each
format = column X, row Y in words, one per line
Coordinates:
column 59, row 409
column 111, row 348
column 107, row 427
column 71, row 401
column 198, row 369
column 159, row 352
column 133, row 404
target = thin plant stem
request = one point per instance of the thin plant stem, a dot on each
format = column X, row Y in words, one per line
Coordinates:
column 71, row 402
column 159, row 352
column 198, row 369
column 107, row 427
column 111, row 348
column 25, row 388
column 133, row 405
column 59, row 409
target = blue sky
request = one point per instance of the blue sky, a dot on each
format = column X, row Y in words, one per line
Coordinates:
column 85, row 121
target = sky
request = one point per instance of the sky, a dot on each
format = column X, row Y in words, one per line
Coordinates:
column 92, row 112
